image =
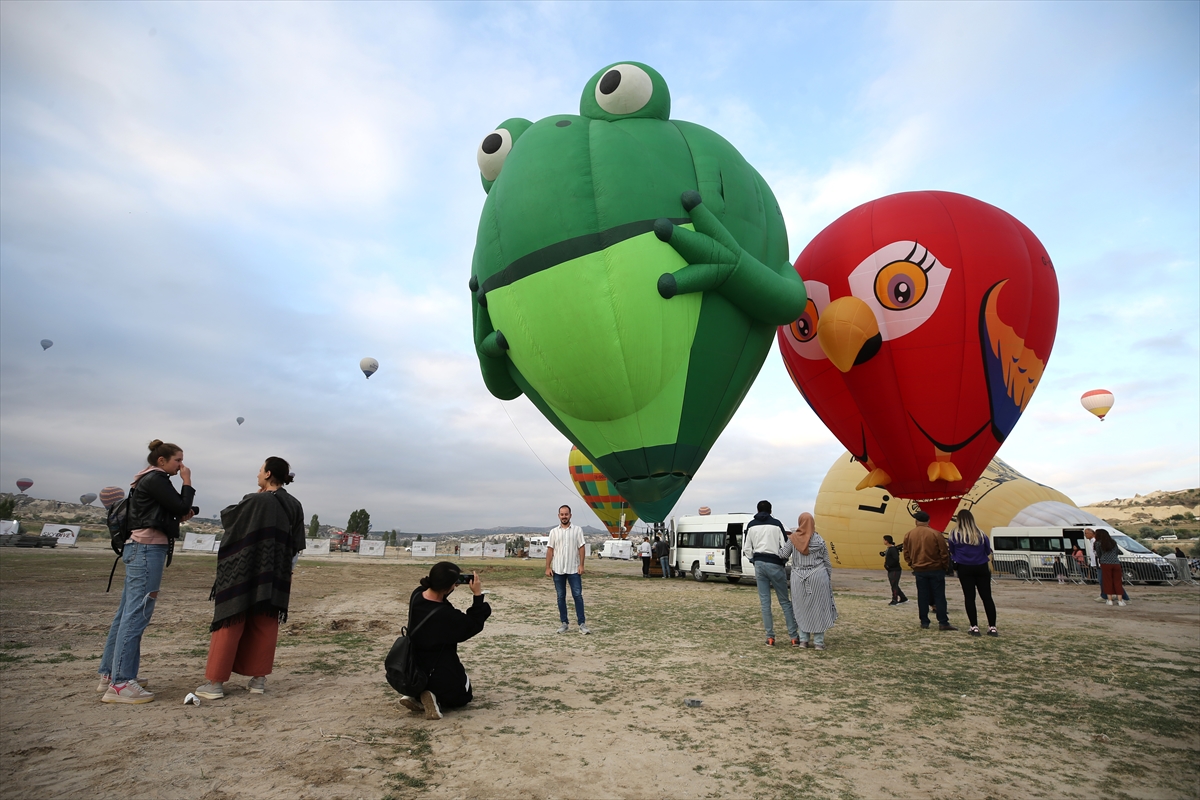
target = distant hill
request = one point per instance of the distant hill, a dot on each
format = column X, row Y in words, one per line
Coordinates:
column 483, row 533
column 1160, row 511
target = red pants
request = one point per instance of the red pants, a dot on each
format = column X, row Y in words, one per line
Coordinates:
column 246, row 647
column 1110, row 580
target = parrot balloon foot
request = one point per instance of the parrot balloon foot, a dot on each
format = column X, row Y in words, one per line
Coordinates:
column 943, row 471
column 875, row 477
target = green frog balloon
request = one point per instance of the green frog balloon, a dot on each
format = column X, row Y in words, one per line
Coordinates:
column 629, row 274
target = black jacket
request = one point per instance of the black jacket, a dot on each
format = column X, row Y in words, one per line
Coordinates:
column 156, row 504
column 435, row 645
column 891, row 558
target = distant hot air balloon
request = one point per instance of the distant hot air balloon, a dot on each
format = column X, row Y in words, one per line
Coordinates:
column 369, row 366
column 1097, row 401
column 240, row 420
column 87, row 499
column 47, row 344
column 597, row 492
column 24, row 483
column 930, row 320
column 110, row 495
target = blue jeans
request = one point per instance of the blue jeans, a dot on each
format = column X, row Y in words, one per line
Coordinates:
column 143, row 577
column 931, row 591
column 818, row 638
column 560, row 588
column 774, row 576
column 665, row 563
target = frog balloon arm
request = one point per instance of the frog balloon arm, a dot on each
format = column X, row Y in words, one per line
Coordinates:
column 490, row 346
column 716, row 262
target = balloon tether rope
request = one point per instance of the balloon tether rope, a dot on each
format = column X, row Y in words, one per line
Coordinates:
column 535, row 455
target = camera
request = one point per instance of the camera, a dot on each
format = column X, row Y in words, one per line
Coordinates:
column 195, row 510
column 465, row 578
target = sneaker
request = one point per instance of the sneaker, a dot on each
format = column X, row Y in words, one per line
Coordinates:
column 1108, row 602
column 1122, row 603
column 412, row 704
column 1101, row 599
column 924, row 626
column 430, row 704
column 894, row 603
column 106, row 681
column 258, row 685
column 947, row 627
column 213, row 690
column 993, row 632
column 563, row 628
column 770, row 641
column 583, row 629
column 128, row 692
column 903, row 600
column 818, row 647
column 974, row 630
column 798, row 643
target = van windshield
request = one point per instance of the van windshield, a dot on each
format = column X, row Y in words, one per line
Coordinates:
column 1128, row 544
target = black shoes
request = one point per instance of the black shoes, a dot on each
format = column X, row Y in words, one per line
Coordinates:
column 947, row 628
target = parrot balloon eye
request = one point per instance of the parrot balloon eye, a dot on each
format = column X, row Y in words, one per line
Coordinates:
column 494, row 148
column 802, row 334
column 911, row 274
column 624, row 89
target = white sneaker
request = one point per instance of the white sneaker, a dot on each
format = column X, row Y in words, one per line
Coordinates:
column 1108, row 602
column 212, row 690
column 563, row 628
column 412, row 704
column 128, row 692
column 584, row 628
column 1122, row 603
column 430, row 704
column 258, row 685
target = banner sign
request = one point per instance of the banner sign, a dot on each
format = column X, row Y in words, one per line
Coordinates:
column 316, row 547
column 10, row 526
column 424, row 549
column 200, row 542
column 537, row 550
column 66, row 534
column 473, row 549
column 371, row 548
column 493, row 550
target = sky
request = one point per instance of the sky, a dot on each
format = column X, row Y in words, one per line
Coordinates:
column 216, row 209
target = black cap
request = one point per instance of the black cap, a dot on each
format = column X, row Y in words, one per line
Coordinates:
column 921, row 516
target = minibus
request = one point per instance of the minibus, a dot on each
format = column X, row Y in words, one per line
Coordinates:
column 711, row 544
column 1030, row 552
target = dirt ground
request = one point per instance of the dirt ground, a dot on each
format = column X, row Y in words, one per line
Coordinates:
column 1075, row 699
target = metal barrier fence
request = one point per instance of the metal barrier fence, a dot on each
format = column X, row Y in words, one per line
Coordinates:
column 1035, row 569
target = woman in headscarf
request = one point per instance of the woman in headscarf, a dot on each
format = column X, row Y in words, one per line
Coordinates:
column 812, row 582
column 263, row 535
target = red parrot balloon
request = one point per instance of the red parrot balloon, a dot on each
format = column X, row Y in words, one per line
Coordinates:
column 930, row 319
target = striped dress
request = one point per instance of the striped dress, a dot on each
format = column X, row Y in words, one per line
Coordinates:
column 812, row 585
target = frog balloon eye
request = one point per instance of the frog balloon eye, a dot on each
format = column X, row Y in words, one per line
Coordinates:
column 492, row 151
column 624, row 89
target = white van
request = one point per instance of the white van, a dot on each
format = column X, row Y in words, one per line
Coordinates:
column 711, row 545
column 617, row 548
column 1030, row 552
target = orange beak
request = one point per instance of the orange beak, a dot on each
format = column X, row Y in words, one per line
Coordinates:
column 848, row 332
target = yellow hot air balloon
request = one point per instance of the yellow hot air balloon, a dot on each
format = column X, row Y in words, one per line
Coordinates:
column 853, row 523
column 1097, row 401
column 596, row 491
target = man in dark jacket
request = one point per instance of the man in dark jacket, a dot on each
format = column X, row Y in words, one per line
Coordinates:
column 926, row 551
column 765, row 536
column 891, row 563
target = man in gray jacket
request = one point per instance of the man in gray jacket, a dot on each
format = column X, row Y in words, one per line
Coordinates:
column 765, row 536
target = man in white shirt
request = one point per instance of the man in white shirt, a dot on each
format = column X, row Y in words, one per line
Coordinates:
column 564, row 562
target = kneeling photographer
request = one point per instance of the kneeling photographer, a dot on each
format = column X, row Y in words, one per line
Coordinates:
column 435, row 641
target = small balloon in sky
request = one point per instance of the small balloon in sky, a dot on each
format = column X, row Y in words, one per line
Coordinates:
column 47, row 344
column 240, row 420
column 110, row 495
column 24, row 483
column 369, row 366
column 87, row 499
column 1098, row 402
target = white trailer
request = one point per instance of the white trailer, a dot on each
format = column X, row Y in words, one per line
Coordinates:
column 712, row 544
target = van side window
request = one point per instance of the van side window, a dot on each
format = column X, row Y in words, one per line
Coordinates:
column 1004, row 543
column 1023, row 544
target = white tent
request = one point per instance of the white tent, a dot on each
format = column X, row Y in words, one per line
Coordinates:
column 1053, row 514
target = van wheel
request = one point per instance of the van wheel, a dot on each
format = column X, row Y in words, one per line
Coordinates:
column 699, row 576
column 1021, row 570
column 733, row 578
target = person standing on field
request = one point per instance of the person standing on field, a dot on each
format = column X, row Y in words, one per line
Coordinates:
column 891, row 563
column 928, row 555
column 644, row 551
column 565, row 554
column 765, row 536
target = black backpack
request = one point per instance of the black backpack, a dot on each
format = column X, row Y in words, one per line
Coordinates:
column 119, row 529
column 401, row 664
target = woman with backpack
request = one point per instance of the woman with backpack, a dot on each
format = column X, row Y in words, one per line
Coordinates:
column 155, row 511
column 441, row 628
column 263, row 535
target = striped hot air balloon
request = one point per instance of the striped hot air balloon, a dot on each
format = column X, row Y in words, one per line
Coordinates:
column 110, row 495
column 24, row 483
column 597, row 492
column 1097, row 401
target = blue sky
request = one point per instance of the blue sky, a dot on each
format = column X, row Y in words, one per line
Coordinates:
column 215, row 210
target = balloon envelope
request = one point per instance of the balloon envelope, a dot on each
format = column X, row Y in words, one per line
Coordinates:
column 46, row 344
column 87, row 499
column 369, row 366
column 240, row 420
column 855, row 522
column 597, row 492
column 930, row 320
column 1097, row 401
column 110, row 495
column 24, row 483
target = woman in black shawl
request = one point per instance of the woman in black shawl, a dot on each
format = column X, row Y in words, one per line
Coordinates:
column 263, row 534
